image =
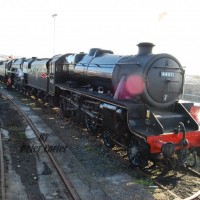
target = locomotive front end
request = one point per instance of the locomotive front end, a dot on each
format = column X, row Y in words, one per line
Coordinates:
column 171, row 133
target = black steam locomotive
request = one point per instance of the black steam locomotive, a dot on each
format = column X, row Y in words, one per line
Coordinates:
column 130, row 100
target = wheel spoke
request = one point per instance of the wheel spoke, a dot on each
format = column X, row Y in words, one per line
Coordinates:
column 91, row 124
column 137, row 153
column 108, row 142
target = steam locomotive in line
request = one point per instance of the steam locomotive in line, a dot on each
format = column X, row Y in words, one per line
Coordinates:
column 132, row 101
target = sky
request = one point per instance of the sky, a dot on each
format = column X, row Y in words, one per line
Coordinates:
column 27, row 27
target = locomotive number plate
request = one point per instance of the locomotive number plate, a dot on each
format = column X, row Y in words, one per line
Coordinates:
column 167, row 74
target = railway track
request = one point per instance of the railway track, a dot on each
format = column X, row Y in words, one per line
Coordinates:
column 3, row 189
column 72, row 191
column 160, row 181
column 121, row 153
column 122, row 156
column 177, row 184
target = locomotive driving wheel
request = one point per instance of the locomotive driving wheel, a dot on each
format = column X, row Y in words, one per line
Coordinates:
column 91, row 124
column 137, row 153
column 107, row 139
column 76, row 116
column 64, row 108
column 188, row 157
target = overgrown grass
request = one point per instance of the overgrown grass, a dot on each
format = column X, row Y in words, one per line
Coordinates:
column 144, row 182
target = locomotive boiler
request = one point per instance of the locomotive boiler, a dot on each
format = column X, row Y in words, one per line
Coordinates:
column 157, row 79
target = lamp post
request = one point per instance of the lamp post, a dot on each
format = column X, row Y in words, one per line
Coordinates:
column 54, row 33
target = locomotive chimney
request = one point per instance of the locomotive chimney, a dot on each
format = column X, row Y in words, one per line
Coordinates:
column 145, row 48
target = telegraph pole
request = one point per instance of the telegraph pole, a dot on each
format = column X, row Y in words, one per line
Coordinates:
column 54, row 33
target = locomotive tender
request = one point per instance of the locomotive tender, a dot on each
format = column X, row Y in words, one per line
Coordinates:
column 131, row 100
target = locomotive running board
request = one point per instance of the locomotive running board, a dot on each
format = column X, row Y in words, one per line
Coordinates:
column 152, row 122
column 141, row 120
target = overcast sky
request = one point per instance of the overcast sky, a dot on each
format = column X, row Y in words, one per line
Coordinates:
column 119, row 25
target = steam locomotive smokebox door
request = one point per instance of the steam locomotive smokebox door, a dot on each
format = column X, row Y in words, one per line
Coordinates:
column 164, row 82
column 109, row 117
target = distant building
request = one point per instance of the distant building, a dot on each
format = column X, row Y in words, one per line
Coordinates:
column 192, row 88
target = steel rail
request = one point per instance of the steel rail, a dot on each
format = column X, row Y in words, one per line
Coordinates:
column 169, row 191
column 194, row 196
column 3, row 188
column 143, row 173
column 157, row 183
column 193, row 171
column 63, row 177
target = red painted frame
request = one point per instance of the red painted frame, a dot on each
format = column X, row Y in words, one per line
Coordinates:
column 193, row 138
column 156, row 142
column 195, row 112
